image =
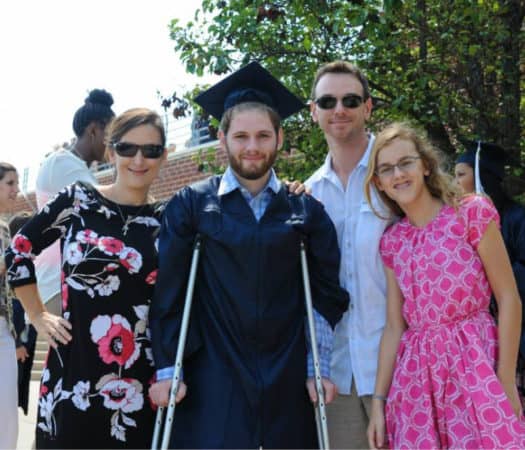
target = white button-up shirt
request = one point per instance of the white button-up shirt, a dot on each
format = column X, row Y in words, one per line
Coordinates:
column 357, row 336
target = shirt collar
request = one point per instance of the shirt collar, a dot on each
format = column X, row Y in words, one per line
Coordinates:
column 229, row 183
column 327, row 170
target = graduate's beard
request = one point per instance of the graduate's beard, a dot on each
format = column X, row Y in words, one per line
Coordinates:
column 253, row 172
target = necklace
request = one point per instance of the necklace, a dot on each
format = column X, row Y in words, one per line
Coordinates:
column 129, row 218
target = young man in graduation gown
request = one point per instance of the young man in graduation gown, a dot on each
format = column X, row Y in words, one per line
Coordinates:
column 245, row 365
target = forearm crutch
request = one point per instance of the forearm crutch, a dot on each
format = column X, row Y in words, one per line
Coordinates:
column 320, row 410
column 175, row 381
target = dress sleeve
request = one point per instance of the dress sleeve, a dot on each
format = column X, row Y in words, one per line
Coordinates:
column 479, row 212
column 386, row 248
column 40, row 232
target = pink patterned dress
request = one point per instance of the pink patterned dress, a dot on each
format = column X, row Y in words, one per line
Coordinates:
column 445, row 392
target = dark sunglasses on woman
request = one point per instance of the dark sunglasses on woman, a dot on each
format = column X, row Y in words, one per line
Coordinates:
column 348, row 101
column 129, row 150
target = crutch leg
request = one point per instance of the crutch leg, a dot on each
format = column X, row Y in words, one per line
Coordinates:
column 320, row 410
column 158, row 426
column 168, row 423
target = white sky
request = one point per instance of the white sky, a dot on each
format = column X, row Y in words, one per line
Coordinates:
column 52, row 52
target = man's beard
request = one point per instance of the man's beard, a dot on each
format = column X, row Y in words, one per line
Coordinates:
column 254, row 172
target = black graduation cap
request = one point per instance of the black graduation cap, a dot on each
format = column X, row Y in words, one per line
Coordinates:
column 252, row 83
column 492, row 157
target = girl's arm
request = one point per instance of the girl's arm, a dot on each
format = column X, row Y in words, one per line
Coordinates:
column 496, row 263
column 394, row 328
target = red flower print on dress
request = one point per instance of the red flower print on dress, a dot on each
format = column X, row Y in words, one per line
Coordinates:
column 122, row 393
column 111, row 267
column 131, row 259
column 22, row 245
column 87, row 237
column 152, row 277
column 110, row 245
column 115, row 340
column 64, row 290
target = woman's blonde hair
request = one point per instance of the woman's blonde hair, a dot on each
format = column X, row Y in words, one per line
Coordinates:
column 438, row 182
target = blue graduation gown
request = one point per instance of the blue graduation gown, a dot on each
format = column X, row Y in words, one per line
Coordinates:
column 245, row 358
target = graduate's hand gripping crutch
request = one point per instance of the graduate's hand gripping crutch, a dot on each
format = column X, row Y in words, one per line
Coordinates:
column 320, row 410
column 175, row 381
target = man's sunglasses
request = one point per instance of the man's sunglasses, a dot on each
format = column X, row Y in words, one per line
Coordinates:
column 129, row 150
column 330, row 102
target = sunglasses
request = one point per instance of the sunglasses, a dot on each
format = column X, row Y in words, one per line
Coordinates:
column 129, row 150
column 348, row 101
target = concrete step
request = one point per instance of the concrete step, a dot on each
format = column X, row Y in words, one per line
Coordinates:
column 41, row 349
column 35, row 376
column 41, row 344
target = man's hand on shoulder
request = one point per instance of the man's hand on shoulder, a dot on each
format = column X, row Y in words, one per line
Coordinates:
column 296, row 187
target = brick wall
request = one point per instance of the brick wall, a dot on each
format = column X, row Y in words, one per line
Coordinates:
column 180, row 169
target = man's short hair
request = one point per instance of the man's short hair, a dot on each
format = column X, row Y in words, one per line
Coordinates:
column 341, row 67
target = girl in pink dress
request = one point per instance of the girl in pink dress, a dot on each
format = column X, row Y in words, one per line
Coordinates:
column 446, row 372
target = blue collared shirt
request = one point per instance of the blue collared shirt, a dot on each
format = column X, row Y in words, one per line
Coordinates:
column 258, row 203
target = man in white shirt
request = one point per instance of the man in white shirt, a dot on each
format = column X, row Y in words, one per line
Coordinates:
column 341, row 105
column 62, row 168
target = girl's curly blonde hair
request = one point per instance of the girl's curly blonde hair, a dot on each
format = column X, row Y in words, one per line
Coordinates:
column 440, row 184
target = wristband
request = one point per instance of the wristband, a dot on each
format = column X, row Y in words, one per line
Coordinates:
column 379, row 397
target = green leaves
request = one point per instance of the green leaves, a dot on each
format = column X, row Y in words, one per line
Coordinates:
column 448, row 65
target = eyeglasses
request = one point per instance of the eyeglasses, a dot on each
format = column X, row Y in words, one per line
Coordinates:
column 405, row 165
column 330, row 102
column 129, row 150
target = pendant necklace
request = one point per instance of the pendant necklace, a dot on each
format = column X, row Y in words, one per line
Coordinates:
column 129, row 218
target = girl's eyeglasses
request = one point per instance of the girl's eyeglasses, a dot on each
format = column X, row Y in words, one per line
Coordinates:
column 405, row 164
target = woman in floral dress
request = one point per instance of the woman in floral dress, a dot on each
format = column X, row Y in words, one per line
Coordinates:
column 446, row 372
column 94, row 386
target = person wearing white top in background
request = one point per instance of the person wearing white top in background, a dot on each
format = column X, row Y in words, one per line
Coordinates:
column 341, row 105
column 62, row 168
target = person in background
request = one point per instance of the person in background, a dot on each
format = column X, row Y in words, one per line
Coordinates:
column 341, row 105
column 491, row 169
column 446, row 371
column 246, row 361
column 94, row 386
column 66, row 166
column 8, row 370
column 25, row 332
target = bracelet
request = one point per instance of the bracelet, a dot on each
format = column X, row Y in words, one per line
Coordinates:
column 379, row 397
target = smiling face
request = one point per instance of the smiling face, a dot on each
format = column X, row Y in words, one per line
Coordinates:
column 8, row 190
column 340, row 122
column 400, row 173
column 137, row 172
column 251, row 144
column 464, row 176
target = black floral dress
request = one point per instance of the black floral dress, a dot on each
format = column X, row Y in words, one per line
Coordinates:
column 94, row 390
